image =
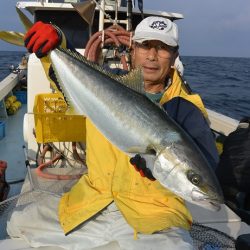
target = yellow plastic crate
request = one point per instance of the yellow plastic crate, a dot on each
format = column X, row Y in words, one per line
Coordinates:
column 51, row 122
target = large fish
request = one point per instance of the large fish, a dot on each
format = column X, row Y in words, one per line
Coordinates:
column 132, row 122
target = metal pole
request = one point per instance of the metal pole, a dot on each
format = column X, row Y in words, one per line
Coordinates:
column 101, row 15
column 129, row 15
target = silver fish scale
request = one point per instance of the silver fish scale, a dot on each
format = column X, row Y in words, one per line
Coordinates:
column 134, row 124
column 102, row 100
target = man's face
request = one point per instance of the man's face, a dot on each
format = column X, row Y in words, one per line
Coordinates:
column 155, row 58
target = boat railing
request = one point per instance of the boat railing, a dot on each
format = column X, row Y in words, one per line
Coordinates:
column 7, row 85
column 108, row 2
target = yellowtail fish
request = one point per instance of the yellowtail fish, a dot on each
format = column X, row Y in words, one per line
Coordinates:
column 128, row 119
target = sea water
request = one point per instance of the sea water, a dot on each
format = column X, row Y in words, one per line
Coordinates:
column 222, row 82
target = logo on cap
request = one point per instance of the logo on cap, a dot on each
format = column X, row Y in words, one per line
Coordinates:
column 160, row 25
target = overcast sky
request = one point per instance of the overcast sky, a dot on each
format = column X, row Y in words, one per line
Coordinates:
column 209, row 28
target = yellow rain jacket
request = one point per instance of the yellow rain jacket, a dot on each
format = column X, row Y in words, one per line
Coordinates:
column 146, row 205
column 177, row 88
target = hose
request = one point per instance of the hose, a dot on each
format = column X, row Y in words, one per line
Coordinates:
column 42, row 164
column 114, row 35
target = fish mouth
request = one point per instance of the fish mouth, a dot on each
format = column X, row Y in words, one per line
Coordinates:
column 212, row 203
column 214, row 206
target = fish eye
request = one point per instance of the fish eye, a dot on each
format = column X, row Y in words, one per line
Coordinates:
column 194, row 178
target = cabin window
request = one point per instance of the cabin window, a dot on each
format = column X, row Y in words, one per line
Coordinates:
column 73, row 26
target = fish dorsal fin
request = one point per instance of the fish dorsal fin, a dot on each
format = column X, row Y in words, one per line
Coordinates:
column 76, row 55
column 133, row 80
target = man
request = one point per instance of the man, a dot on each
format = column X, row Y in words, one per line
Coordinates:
column 156, row 51
column 113, row 203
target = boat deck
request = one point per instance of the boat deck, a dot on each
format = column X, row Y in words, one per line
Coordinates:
column 11, row 150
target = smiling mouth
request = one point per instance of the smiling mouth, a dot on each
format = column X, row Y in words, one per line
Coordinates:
column 150, row 68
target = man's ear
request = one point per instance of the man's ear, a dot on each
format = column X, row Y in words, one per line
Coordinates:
column 132, row 50
column 175, row 55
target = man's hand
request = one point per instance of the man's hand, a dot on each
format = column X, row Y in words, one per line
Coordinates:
column 139, row 164
column 41, row 38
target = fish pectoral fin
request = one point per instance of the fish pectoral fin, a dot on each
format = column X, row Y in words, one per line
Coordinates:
column 140, row 149
column 133, row 80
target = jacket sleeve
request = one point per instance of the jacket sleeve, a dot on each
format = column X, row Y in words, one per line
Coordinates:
column 190, row 118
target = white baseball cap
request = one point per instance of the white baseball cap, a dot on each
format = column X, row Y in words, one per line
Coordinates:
column 157, row 28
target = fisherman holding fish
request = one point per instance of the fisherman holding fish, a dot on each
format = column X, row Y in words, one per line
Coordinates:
column 113, row 204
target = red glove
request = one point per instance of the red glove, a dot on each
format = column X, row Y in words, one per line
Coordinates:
column 41, row 38
column 139, row 164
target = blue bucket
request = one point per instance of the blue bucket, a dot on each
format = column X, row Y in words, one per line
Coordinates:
column 2, row 130
column 21, row 96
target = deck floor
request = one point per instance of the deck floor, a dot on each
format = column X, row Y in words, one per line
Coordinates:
column 11, row 149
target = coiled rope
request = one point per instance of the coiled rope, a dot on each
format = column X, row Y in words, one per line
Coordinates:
column 115, row 36
column 58, row 156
